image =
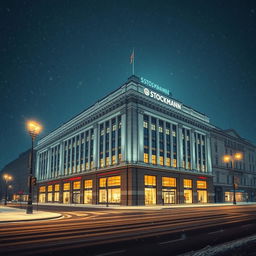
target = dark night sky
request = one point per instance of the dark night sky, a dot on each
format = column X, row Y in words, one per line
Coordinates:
column 59, row 57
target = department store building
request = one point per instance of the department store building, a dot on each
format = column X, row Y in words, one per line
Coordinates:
column 136, row 146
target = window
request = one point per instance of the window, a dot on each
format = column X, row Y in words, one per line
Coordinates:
column 161, row 160
column 187, row 183
column 145, row 158
column 57, row 187
column 50, row 188
column 201, row 184
column 66, row 186
column 168, row 182
column 114, row 181
column 88, row 184
column 42, row 189
column 76, row 185
column 150, row 180
column 153, row 159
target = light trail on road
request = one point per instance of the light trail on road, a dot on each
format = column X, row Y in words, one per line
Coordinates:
column 85, row 229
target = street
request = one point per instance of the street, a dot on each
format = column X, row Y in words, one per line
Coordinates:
column 89, row 231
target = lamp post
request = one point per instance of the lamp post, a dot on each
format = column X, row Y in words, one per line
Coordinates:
column 232, row 158
column 7, row 178
column 34, row 129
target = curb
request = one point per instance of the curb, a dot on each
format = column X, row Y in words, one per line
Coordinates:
column 48, row 218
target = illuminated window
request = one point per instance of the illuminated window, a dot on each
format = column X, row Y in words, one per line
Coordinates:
column 102, row 132
column 114, row 127
column 149, row 180
column 161, row 160
column 145, row 158
column 114, row 181
column 168, row 182
column 145, row 124
column 174, row 133
column 167, row 131
column 183, row 164
column 92, row 164
column 88, row 196
column 153, row 127
column 56, row 196
column 120, row 157
column 113, row 159
column 66, row 186
column 174, row 163
column 150, row 196
column 107, row 161
column 49, row 197
column 153, row 159
column 168, row 161
column 187, row 183
column 103, row 182
column 57, row 187
column 76, row 185
column 160, row 129
column 201, row 184
column 88, row 184
column 50, row 188
column 42, row 189
column 102, row 162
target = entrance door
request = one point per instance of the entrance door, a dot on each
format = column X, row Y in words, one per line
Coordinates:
column 169, row 196
column 150, row 196
column 66, row 197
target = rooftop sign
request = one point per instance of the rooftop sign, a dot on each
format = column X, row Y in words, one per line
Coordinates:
column 154, row 86
column 161, row 98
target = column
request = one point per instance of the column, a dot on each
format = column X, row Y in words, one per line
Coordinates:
column 124, row 141
column 165, row 148
column 192, row 147
column 157, row 142
column 116, row 139
column 201, row 152
column 208, row 154
column 172, row 144
column 110, row 142
column 186, row 148
column 89, row 149
column 150, row 141
column 48, row 165
column 140, row 134
column 96, row 145
column 61, row 167
column 179, row 146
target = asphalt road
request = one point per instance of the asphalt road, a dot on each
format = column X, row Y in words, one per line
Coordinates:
column 102, row 232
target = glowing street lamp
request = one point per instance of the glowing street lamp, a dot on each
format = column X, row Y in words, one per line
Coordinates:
column 232, row 158
column 33, row 129
column 7, row 178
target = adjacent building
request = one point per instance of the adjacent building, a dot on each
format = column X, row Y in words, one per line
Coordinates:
column 136, row 146
column 18, row 186
column 242, row 172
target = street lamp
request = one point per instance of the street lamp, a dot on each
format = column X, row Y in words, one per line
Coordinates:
column 7, row 178
column 232, row 158
column 33, row 129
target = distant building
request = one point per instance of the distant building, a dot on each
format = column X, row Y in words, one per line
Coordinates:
column 18, row 169
column 228, row 142
column 136, row 146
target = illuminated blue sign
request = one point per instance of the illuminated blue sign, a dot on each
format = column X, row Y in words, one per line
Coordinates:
column 154, row 86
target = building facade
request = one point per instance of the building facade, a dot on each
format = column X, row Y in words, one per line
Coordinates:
column 242, row 172
column 136, row 146
column 18, row 186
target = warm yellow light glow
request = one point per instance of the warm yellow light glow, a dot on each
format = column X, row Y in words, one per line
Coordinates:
column 238, row 156
column 34, row 128
column 7, row 177
column 226, row 158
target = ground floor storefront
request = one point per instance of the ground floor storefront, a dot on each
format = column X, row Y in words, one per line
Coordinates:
column 225, row 194
column 130, row 185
